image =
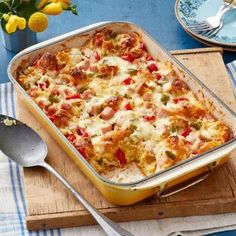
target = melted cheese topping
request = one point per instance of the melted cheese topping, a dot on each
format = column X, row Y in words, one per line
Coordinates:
column 119, row 107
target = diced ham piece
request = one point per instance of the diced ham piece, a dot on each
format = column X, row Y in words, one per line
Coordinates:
column 88, row 94
column 112, row 102
column 66, row 106
column 179, row 85
column 108, row 70
column 93, row 68
column 33, row 92
column 54, row 91
column 76, row 73
column 162, row 113
column 147, row 96
column 106, row 129
column 73, row 96
column 99, row 38
column 42, row 104
column 94, row 110
column 120, row 155
column 179, row 99
column 139, row 86
column 84, row 65
column 51, row 110
column 107, row 113
column 47, row 61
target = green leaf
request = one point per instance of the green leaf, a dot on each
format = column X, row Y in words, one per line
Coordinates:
column 15, row 4
column 3, row 25
column 73, row 9
column 26, row 9
column 4, row 8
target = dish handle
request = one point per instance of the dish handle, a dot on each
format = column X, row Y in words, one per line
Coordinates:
column 163, row 193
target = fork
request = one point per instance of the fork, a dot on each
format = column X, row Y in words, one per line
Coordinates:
column 212, row 22
column 213, row 32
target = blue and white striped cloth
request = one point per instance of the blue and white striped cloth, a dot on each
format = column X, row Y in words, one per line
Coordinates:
column 13, row 206
column 12, row 202
column 231, row 67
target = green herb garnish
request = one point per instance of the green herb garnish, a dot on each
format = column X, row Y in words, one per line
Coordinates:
column 171, row 155
column 165, row 98
column 132, row 71
column 196, row 124
column 53, row 98
column 82, row 89
column 174, row 129
column 100, row 161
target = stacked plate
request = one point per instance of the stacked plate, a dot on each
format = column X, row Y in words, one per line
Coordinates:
column 189, row 11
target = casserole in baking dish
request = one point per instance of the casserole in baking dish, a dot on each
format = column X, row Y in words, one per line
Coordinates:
column 119, row 107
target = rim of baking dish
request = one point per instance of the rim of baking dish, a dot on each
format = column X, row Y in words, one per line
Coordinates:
column 146, row 179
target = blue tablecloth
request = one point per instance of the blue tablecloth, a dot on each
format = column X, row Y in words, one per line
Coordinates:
column 155, row 16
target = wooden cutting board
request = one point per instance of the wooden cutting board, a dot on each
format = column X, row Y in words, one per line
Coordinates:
column 49, row 205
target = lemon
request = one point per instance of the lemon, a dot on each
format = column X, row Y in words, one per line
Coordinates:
column 5, row 17
column 53, row 8
column 42, row 3
column 38, row 22
column 64, row 3
column 12, row 23
column 21, row 23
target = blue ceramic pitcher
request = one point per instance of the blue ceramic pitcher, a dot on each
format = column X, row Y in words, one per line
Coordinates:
column 19, row 40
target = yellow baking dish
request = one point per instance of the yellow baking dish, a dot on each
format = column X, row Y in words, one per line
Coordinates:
column 195, row 169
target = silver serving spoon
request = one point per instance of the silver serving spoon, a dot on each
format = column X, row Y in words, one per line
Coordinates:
column 24, row 146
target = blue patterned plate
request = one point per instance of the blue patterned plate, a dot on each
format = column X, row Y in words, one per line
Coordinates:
column 190, row 11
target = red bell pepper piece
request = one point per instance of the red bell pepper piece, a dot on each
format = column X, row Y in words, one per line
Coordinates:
column 152, row 67
column 149, row 58
column 82, row 132
column 128, row 81
column 177, row 100
column 150, row 118
column 158, row 76
column 128, row 106
column 97, row 56
column 186, row 132
column 120, row 155
column 42, row 86
column 143, row 46
column 71, row 137
column 82, row 151
column 128, row 58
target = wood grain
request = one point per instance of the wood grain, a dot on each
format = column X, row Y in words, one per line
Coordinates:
column 49, row 205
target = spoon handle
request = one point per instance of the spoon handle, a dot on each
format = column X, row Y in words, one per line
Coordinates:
column 110, row 227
